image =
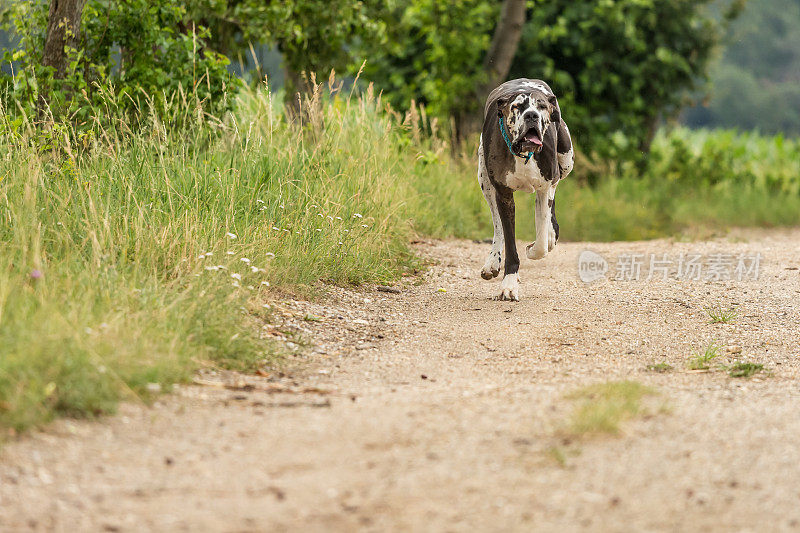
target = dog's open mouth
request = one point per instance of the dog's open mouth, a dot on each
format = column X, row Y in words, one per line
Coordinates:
column 532, row 136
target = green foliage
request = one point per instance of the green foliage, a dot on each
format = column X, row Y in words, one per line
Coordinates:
column 313, row 36
column 136, row 54
column 433, row 53
column 618, row 66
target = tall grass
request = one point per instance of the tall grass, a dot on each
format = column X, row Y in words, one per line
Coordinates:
column 131, row 259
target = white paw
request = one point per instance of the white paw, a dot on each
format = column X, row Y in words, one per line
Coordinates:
column 509, row 288
column 551, row 239
column 536, row 252
column 492, row 266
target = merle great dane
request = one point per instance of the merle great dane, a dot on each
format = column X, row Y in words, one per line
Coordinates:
column 525, row 146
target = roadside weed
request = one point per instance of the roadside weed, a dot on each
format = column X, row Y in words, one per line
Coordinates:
column 721, row 315
column 700, row 361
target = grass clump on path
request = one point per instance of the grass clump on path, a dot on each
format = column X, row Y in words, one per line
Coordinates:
column 603, row 407
column 744, row 369
column 702, row 361
column 721, row 315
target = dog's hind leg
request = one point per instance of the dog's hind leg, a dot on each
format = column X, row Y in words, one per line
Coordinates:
column 491, row 268
column 544, row 225
column 552, row 230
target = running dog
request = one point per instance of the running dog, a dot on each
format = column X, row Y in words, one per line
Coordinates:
column 525, row 146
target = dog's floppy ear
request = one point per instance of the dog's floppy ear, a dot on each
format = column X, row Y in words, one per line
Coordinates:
column 501, row 103
column 555, row 113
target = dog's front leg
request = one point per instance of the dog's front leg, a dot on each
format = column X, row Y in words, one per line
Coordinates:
column 509, row 287
column 541, row 246
column 491, row 268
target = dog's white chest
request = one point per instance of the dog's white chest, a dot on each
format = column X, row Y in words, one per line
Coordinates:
column 526, row 177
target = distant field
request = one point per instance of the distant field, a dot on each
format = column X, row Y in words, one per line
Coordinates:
column 129, row 260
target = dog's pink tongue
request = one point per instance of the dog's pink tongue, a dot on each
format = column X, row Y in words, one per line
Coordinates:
column 534, row 139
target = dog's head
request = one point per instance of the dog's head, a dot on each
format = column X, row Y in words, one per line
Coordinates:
column 527, row 117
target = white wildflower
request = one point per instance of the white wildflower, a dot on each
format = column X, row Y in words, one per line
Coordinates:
column 230, row 253
column 212, row 268
column 269, row 254
column 357, row 215
column 265, row 284
column 338, row 218
column 209, row 254
column 276, row 228
column 259, row 201
column 236, row 275
column 364, row 226
column 244, row 260
column 230, row 235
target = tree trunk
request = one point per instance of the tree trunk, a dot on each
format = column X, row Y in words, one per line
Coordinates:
column 504, row 45
column 63, row 27
column 294, row 89
column 647, row 141
column 496, row 64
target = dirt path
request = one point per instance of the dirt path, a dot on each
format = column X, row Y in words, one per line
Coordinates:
column 435, row 411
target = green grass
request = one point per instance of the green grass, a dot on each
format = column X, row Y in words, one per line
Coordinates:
column 721, row 315
column 701, row 361
column 603, row 407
